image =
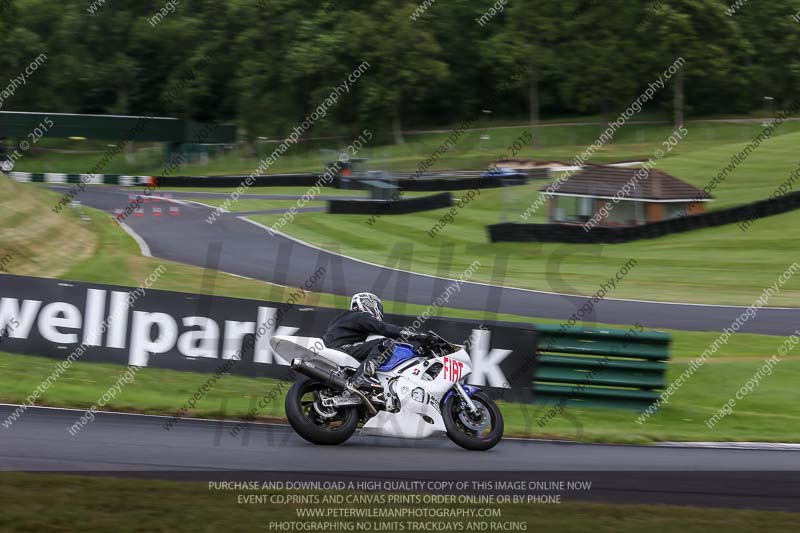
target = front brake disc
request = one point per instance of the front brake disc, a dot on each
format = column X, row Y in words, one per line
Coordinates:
column 476, row 424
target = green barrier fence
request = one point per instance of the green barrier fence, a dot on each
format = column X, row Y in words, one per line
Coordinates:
column 600, row 367
column 117, row 127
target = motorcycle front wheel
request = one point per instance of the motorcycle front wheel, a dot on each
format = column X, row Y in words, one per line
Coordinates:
column 481, row 431
column 312, row 421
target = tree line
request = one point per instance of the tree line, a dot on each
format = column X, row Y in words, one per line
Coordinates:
column 266, row 64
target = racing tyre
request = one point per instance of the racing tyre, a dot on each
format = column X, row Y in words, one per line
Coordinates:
column 480, row 432
column 312, row 421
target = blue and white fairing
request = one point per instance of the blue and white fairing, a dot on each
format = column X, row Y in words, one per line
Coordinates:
column 420, row 385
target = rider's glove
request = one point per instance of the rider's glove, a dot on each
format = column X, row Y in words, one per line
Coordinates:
column 409, row 336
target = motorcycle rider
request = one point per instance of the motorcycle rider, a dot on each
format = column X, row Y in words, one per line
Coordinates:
column 348, row 333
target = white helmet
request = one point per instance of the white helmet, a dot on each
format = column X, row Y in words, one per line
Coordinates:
column 367, row 302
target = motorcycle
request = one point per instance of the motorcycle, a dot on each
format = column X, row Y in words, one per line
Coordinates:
column 422, row 394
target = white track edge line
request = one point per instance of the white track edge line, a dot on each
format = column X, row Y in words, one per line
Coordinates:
column 206, row 205
column 229, row 421
column 534, row 291
column 768, row 446
column 733, row 445
column 145, row 249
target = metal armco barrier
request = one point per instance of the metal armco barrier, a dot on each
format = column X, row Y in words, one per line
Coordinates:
column 267, row 180
column 453, row 183
column 600, row 367
column 390, row 207
column 457, row 182
column 89, row 179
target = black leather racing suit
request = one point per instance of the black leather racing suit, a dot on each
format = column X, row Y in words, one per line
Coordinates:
column 348, row 333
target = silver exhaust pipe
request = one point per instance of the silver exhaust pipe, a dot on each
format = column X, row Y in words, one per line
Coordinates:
column 324, row 376
column 329, row 379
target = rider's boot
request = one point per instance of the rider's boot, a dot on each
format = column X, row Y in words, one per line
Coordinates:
column 364, row 377
column 365, row 384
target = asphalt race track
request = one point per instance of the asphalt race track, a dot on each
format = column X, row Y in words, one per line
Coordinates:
column 132, row 445
column 249, row 250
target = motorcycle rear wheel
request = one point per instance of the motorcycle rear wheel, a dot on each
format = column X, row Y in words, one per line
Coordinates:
column 473, row 433
column 316, row 425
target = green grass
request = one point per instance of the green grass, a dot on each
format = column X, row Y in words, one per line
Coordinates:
column 768, row 414
column 154, row 391
column 33, row 239
column 255, row 205
column 560, row 142
column 715, row 266
column 50, row 502
column 722, row 265
column 292, row 191
column 755, row 179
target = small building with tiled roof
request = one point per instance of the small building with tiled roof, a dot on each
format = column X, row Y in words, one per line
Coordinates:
column 622, row 196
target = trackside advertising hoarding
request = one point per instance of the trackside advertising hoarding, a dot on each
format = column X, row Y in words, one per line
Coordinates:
column 163, row 329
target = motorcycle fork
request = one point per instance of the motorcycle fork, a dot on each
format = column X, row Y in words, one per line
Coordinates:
column 466, row 399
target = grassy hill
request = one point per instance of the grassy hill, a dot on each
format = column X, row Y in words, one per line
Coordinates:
column 38, row 242
column 33, row 239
